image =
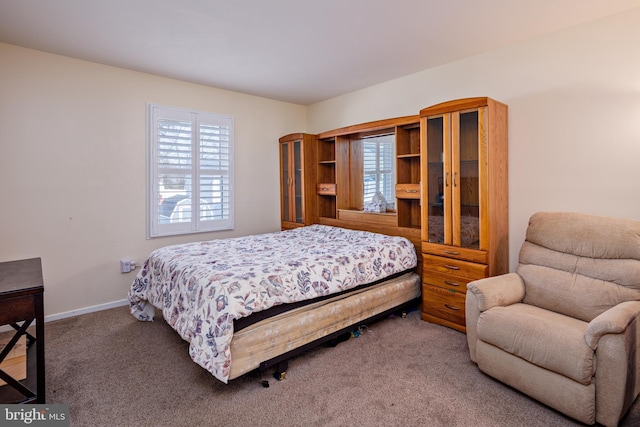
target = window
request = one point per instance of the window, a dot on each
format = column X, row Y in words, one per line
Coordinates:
column 190, row 170
column 379, row 170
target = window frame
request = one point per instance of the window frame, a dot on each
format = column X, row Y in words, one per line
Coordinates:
column 193, row 223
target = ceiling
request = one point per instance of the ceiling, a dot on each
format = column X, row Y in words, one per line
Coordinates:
column 290, row 50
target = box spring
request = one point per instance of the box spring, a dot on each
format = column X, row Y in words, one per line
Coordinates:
column 271, row 339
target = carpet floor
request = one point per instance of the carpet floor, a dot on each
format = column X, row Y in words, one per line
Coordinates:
column 113, row 370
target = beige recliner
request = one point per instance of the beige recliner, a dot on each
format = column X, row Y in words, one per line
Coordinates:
column 565, row 327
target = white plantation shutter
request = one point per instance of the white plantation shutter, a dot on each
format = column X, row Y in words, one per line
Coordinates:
column 379, row 173
column 190, row 170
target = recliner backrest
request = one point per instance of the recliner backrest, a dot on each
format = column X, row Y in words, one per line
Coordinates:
column 580, row 265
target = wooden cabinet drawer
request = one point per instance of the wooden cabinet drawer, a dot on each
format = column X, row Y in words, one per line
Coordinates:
column 326, row 189
column 16, row 309
column 408, row 191
column 455, row 267
column 465, row 254
column 447, row 281
column 444, row 304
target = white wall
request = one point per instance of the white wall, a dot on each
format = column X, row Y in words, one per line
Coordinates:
column 72, row 145
column 574, row 116
column 72, row 168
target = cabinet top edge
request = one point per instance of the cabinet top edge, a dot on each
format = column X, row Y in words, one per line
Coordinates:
column 458, row 104
column 295, row 136
column 370, row 126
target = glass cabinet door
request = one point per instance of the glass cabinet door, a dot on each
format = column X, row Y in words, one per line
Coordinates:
column 465, row 179
column 297, row 182
column 285, row 180
column 291, row 181
column 453, row 181
column 436, row 198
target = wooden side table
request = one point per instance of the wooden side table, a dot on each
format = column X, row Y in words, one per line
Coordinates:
column 21, row 300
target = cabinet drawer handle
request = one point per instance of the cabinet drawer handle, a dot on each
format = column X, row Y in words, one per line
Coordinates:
column 451, row 307
column 324, row 188
column 451, row 283
column 452, row 267
column 410, row 191
column 448, row 252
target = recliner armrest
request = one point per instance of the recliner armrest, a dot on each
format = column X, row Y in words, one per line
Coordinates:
column 502, row 290
column 613, row 321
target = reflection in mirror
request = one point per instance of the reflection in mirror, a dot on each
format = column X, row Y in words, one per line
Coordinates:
column 379, row 169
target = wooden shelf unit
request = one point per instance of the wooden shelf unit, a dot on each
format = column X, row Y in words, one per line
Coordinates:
column 465, row 206
column 408, row 175
column 340, row 163
column 451, row 193
column 326, row 188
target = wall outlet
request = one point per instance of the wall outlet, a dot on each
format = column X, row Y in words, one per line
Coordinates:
column 125, row 265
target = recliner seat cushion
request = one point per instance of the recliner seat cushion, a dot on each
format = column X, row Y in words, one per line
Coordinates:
column 547, row 339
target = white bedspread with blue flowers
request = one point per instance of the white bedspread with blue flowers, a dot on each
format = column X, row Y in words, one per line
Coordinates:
column 202, row 287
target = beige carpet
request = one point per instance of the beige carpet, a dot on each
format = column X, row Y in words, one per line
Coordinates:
column 115, row 371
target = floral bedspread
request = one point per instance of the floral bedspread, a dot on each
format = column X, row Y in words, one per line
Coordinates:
column 202, row 287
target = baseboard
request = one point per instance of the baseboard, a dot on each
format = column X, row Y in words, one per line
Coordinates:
column 86, row 310
column 72, row 313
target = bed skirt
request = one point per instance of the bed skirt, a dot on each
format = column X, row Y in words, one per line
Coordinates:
column 293, row 329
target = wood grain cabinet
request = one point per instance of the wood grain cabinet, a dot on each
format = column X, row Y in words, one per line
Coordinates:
column 451, row 192
column 464, row 210
column 297, row 180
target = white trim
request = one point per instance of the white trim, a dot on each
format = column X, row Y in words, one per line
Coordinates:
column 72, row 313
column 86, row 310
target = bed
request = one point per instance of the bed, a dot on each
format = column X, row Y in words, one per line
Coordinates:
column 248, row 302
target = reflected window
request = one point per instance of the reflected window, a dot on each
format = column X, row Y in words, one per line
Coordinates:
column 379, row 169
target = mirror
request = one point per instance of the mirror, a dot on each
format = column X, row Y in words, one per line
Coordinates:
column 379, row 169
